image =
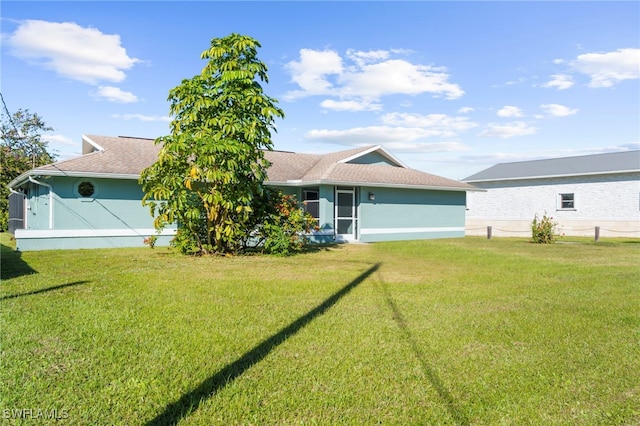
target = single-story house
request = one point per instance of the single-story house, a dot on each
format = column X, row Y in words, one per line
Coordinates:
column 580, row 193
column 362, row 194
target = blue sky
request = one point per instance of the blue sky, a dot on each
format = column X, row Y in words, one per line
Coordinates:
column 449, row 88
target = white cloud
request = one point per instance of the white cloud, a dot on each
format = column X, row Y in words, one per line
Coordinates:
column 142, row 117
column 400, row 131
column 517, row 128
column 609, row 68
column 447, row 126
column 361, row 58
column 311, row 72
column 558, row 110
column 465, row 110
column 514, row 82
column 509, row 111
column 559, row 81
column 365, row 75
column 422, row 147
column 59, row 140
column 115, row 94
column 79, row 53
column 394, row 138
column 370, row 135
column 396, row 76
column 352, row 105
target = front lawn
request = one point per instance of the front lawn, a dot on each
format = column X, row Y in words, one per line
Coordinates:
column 456, row 331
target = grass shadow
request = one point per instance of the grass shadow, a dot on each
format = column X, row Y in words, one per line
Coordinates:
column 444, row 394
column 43, row 290
column 12, row 265
column 318, row 247
column 190, row 401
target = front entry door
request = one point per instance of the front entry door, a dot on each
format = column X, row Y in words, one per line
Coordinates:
column 346, row 218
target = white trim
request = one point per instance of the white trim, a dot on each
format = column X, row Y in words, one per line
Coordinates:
column 377, row 231
column 383, row 152
column 38, row 172
column 92, row 143
column 372, row 185
column 88, row 233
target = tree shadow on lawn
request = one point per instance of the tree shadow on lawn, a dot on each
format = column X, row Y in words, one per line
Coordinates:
column 12, row 265
column 43, row 290
column 444, row 394
column 190, row 401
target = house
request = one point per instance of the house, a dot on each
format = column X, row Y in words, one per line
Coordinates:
column 580, row 193
column 363, row 194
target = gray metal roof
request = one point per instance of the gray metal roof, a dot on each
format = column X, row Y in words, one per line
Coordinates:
column 126, row 157
column 614, row 162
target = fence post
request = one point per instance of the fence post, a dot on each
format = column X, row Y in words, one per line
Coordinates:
column 488, row 232
column 597, row 237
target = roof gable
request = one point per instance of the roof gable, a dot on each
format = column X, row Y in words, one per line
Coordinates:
column 615, row 162
column 373, row 155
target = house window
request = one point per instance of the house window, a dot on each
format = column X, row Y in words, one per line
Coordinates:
column 567, row 202
column 86, row 189
column 311, row 203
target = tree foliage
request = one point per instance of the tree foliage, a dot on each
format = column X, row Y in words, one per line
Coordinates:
column 21, row 149
column 210, row 170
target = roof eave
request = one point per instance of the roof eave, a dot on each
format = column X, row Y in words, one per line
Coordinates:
column 301, row 183
column 61, row 173
column 610, row 172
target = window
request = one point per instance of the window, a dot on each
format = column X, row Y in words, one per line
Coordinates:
column 567, row 202
column 311, row 203
column 86, row 189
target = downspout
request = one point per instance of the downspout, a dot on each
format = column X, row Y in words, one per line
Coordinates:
column 50, row 199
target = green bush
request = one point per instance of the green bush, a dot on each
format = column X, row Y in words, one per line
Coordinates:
column 545, row 230
column 284, row 231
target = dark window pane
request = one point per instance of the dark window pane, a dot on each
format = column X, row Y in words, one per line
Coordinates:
column 86, row 189
column 313, row 208
column 345, row 226
column 345, row 204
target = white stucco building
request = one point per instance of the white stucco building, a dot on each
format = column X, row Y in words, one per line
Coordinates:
column 580, row 193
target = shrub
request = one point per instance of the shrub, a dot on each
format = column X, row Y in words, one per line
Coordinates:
column 284, row 231
column 151, row 241
column 545, row 230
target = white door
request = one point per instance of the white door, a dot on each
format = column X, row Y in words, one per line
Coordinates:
column 346, row 221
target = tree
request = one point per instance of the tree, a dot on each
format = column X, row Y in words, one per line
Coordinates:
column 21, row 149
column 210, row 170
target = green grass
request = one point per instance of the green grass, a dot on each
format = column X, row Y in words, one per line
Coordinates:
column 459, row 331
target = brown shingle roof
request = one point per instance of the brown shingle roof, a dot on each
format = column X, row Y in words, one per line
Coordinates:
column 127, row 157
column 119, row 156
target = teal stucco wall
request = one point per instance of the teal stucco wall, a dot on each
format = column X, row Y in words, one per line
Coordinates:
column 410, row 214
column 115, row 217
column 396, row 214
column 112, row 217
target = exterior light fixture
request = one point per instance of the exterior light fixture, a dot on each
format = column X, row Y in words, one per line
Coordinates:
column 372, row 196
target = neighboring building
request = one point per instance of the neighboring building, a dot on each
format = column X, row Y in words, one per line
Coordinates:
column 363, row 194
column 580, row 193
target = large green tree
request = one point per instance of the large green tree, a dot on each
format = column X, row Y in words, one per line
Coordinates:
column 210, row 170
column 21, row 149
